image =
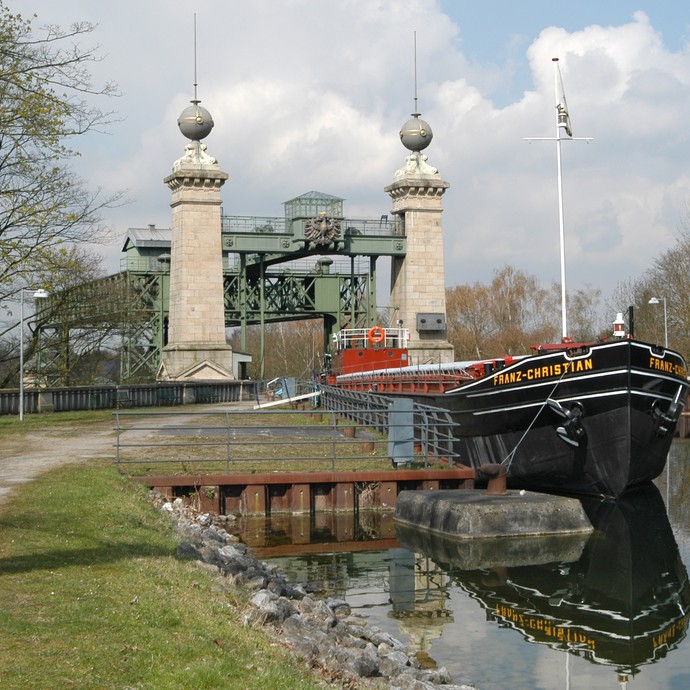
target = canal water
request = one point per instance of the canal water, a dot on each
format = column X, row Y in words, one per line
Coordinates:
column 606, row 611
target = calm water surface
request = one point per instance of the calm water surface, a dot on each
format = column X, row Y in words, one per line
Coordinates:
column 607, row 611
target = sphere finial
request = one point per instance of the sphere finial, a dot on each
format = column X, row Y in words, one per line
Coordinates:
column 416, row 134
column 195, row 122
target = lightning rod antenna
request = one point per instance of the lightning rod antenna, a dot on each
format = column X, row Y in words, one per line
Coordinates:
column 416, row 108
column 196, row 100
column 416, row 134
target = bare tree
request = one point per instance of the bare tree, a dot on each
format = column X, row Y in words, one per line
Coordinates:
column 669, row 279
column 502, row 318
column 585, row 320
column 523, row 311
column 470, row 328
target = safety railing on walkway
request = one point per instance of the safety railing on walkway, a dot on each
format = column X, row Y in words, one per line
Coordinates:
column 432, row 426
column 346, row 437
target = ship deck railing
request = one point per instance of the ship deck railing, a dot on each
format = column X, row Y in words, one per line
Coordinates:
column 361, row 338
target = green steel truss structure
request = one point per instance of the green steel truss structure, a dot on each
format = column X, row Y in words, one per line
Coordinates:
column 312, row 263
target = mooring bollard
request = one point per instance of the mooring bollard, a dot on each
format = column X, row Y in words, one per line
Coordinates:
column 496, row 473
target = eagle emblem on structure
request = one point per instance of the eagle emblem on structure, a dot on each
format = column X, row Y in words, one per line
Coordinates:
column 322, row 229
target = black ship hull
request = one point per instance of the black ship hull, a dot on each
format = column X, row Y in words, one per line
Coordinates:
column 595, row 420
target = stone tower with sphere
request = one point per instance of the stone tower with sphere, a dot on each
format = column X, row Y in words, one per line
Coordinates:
column 197, row 348
column 418, row 290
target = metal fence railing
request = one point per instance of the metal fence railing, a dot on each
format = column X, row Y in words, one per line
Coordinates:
column 433, row 427
column 280, row 439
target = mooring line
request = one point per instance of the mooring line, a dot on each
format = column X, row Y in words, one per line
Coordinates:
column 509, row 458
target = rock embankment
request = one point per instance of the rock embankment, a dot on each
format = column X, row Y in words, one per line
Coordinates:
column 321, row 631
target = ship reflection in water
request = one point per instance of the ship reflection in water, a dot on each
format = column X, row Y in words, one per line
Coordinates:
column 619, row 597
column 624, row 602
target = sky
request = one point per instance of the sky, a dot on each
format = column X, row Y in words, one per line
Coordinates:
column 311, row 94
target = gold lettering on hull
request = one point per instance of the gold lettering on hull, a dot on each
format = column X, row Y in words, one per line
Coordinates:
column 577, row 366
column 667, row 367
column 546, row 371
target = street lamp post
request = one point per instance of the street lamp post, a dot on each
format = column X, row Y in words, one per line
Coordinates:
column 658, row 300
column 38, row 294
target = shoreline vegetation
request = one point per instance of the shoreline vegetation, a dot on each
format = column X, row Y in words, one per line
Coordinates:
column 96, row 590
column 93, row 596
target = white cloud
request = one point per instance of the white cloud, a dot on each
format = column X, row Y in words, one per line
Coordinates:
column 309, row 95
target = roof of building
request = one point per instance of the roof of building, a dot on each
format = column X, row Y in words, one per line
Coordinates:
column 150, row 236
column 315, row 195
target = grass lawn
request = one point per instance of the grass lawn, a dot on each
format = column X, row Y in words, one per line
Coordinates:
column 92, row 596
column 11, row 426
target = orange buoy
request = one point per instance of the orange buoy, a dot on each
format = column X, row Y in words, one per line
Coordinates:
column 377, row 335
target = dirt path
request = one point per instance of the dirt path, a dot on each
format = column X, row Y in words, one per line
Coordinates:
column 22, row 458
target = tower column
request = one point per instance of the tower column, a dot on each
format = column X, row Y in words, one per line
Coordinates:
column 197, row 347
column 418, row 288
column 418, row 282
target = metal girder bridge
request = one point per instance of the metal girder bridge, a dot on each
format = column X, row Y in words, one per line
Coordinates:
column 79, row 320
column 327, row 264
column 311, row 263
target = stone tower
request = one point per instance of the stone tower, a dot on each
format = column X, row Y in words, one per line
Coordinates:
column 197, row 347
column 418, row 289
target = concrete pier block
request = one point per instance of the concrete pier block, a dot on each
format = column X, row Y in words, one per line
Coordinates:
column 472, row 514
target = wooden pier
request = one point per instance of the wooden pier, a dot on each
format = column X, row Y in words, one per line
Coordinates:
column 270, row 493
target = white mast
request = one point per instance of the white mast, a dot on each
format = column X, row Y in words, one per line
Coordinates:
column 562, row 122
